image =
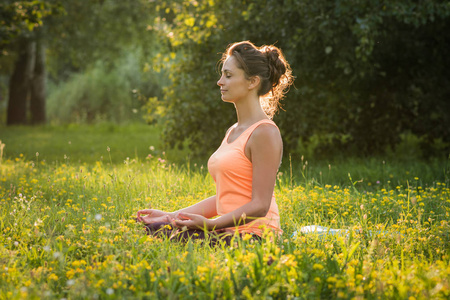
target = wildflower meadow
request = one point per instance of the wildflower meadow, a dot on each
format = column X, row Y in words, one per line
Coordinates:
column 68, row 230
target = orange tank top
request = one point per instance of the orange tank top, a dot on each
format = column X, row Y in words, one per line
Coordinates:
column 232, row 172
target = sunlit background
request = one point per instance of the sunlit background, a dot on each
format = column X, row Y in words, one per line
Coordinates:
column 372, row 77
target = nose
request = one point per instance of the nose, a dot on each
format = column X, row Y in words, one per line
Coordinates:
column 219, row 82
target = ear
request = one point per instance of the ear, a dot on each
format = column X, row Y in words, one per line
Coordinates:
column 254, row 82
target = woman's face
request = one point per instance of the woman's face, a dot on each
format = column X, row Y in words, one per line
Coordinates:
column 233, row 83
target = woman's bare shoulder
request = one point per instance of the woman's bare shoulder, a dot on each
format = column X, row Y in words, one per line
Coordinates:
column 266, row 130
column 266, row 133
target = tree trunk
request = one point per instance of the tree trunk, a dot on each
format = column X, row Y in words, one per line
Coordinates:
column 19, row 84
column 37, row 97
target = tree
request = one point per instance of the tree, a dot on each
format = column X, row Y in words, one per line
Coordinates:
column 38, row 85
column 21, row 33
column 21, row 17
column 367, row 71
column 19, row 83
column 76, row 34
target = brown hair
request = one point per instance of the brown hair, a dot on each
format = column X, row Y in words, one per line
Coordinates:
column 269, row 64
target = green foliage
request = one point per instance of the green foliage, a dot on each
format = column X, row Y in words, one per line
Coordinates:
column 22, row 17
column 103, row 92
column 88, row 46
column 367, row 71
column 97, row 30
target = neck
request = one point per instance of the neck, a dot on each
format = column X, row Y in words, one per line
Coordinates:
column 249, row 111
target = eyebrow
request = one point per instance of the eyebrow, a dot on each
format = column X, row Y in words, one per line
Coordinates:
column 226, row 70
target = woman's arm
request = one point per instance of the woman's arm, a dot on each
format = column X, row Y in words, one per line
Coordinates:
column 206, row 208
column 265, row 149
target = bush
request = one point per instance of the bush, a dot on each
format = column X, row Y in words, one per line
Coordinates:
column 104, row 92
column 366, row 71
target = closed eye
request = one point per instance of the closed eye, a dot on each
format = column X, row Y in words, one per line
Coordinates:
column 226, row 76
column 227, row 73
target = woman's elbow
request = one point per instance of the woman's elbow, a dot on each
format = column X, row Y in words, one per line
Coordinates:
column 261, row 211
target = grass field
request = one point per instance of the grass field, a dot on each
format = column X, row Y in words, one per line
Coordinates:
column 68, row 230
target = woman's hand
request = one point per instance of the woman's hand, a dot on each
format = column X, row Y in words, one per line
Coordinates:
column 193, row 221
column 148, row 216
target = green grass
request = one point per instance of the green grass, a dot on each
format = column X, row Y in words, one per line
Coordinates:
column 81, row 143
column 67, row 228
column 369, row 173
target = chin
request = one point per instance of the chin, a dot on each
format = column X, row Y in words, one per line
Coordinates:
column 227, row 99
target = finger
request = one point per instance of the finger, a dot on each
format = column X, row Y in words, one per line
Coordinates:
column 172, row 221
column 179, row 223
column 190, row 224
column 186, row 216
column 181, row 217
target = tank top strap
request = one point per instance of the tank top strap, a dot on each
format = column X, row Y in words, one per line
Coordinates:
column 243, row 138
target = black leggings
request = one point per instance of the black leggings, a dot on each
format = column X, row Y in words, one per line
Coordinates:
column 214, row 238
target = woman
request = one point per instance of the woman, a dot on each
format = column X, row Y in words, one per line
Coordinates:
column 245, row 166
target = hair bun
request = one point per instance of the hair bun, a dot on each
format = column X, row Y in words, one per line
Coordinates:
column 276, row 66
